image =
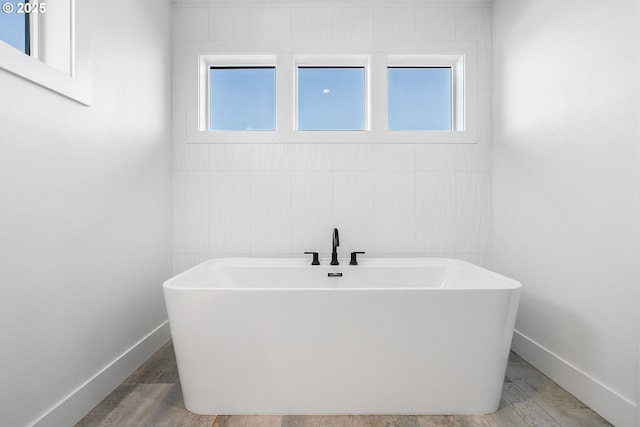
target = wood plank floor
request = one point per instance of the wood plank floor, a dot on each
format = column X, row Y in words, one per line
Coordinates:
column 151, row 397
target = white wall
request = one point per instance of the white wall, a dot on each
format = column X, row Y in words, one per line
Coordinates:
column 283, row 199
column 85, row 218
column 566, row 184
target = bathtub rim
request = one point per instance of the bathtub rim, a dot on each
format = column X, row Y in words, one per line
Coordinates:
column 175, row 283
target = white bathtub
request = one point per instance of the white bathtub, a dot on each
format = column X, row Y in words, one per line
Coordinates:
column 391, row 336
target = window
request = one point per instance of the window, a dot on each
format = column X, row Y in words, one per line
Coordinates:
column 44, row 33
column 56, row 37
column 322, row 97
column 14, row 27
column 419, row 98
column 331, row 98
column 242, row 98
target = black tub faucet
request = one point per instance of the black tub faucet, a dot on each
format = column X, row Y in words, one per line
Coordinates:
column 336, row 243
column 354, row 258
column 315, row 260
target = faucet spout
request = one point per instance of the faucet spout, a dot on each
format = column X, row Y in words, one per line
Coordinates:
column 336, row 243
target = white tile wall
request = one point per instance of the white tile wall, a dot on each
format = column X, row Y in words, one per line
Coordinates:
column 284, row 199
column 354, row 157
column 271, row 213
column 354, row 24
column 312, row 210
column 186, row 157
column 393, row 23
column 354, row 210
column 312, row 23
column 229, row 23
column 433, row 23
column 435, row 212
column 189, row 23
column 230, row 215
column 191, row 212
column 395, row 212
column 270, row 23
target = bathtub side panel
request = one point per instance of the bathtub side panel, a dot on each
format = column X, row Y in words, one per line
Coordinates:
column 341, row 351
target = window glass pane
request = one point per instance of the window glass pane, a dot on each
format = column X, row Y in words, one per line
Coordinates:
column 331, row 98
column 419, row 98
column 242, row 98
column 13, row 26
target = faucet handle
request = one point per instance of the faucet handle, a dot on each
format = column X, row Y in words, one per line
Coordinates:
column 315, row 258
column 354, row 261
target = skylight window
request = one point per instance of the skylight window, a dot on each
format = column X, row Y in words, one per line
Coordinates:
column 331, row 98
column 419, row 98
column 242, row 98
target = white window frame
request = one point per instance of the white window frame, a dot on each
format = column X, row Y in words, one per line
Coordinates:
column 460, row 56
column 206, row 62
column 337, row 61
column 457, row 65
column 60, row 51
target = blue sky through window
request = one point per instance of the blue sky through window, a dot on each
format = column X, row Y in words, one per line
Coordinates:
column 12, row 27
column 242, row 98
column 331, row 98
column 419, row 98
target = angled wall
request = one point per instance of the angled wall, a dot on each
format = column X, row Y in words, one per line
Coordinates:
column 85, row 220
column 566, row 179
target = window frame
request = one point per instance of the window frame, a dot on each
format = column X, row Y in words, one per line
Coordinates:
column 208, row 61
column 74, row 84
column 458, row 91
column 334, row 61
column 461, row 56
column 452, row 106
column 243, row 67
column 26, row 26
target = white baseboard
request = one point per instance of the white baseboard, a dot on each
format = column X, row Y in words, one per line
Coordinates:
column 615, row 408
column 79, row 402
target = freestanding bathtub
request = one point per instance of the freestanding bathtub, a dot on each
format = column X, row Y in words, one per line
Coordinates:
column 390, row 336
